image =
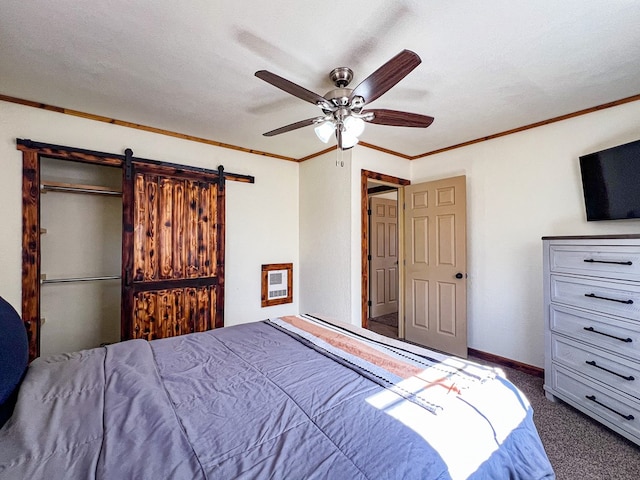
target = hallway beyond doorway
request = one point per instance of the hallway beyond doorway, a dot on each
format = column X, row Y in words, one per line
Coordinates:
column 386, row 325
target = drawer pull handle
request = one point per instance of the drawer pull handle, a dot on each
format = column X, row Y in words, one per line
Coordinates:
column 591, row 260
column 593, row 295
column 594, row 364
column 591, row 329
column 593, row 399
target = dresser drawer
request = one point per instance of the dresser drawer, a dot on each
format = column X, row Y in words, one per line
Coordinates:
column 620, row 262
column 616, row 372
column 614, row 298
column 607, row 333
column 617, row 411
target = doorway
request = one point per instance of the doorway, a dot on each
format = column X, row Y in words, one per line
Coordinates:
column 374, row 184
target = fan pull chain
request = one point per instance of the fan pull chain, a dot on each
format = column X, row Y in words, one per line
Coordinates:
column 340, row 158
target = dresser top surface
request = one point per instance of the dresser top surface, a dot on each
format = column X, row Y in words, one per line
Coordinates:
column 632, row 236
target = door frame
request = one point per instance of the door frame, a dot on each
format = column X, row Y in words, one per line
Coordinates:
column 31, row 231
column 365, row 176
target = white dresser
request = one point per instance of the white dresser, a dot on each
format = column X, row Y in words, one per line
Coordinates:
column 592, row 327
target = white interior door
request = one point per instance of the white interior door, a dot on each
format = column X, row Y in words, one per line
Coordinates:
column 383, row 234
column 435, row 272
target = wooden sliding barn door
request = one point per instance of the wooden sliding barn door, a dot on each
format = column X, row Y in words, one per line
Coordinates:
column 173, row 252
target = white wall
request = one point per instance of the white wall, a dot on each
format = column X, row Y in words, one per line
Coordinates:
column 325, row 236
column 522, row 187
column 330, row 229
column 262, row 218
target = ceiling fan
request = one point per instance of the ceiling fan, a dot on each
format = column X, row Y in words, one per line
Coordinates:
column 343, row 108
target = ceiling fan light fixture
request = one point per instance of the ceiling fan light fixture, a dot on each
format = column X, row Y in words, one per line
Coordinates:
column 348, row 140
column 354, row 126
column 325, row 130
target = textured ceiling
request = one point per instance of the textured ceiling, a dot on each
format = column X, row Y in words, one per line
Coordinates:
column 189, row 67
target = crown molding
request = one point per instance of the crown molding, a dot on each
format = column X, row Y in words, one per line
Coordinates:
column 192, row 138
column 137, row 126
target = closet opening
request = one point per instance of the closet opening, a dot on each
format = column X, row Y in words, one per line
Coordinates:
column 80, row 255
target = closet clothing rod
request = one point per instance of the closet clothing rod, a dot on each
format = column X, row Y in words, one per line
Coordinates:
column 50, row 188
column 81, row 279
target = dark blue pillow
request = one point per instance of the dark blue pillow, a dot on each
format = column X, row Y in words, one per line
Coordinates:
column 14, row 357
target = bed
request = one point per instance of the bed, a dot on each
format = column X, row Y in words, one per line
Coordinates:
column 288, row 398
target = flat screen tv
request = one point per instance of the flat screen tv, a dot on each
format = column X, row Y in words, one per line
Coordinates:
column 611, row 182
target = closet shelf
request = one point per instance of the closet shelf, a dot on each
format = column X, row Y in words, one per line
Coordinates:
column 45, row 280
column 47, row 186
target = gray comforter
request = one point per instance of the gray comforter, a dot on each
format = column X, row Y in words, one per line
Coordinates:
column 256, row 401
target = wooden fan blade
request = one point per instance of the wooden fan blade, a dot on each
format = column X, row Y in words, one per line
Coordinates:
column 293, row 126
column 294, row 89
column 399, row 119
column 385, row 77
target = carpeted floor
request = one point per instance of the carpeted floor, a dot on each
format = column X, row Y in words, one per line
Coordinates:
column 390, row 319
column 578, row 447
column 386, row 325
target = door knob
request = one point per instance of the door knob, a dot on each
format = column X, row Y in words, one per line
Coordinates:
column 459, row 275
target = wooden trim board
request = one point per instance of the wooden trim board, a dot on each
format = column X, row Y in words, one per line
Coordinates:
column 505, row 362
